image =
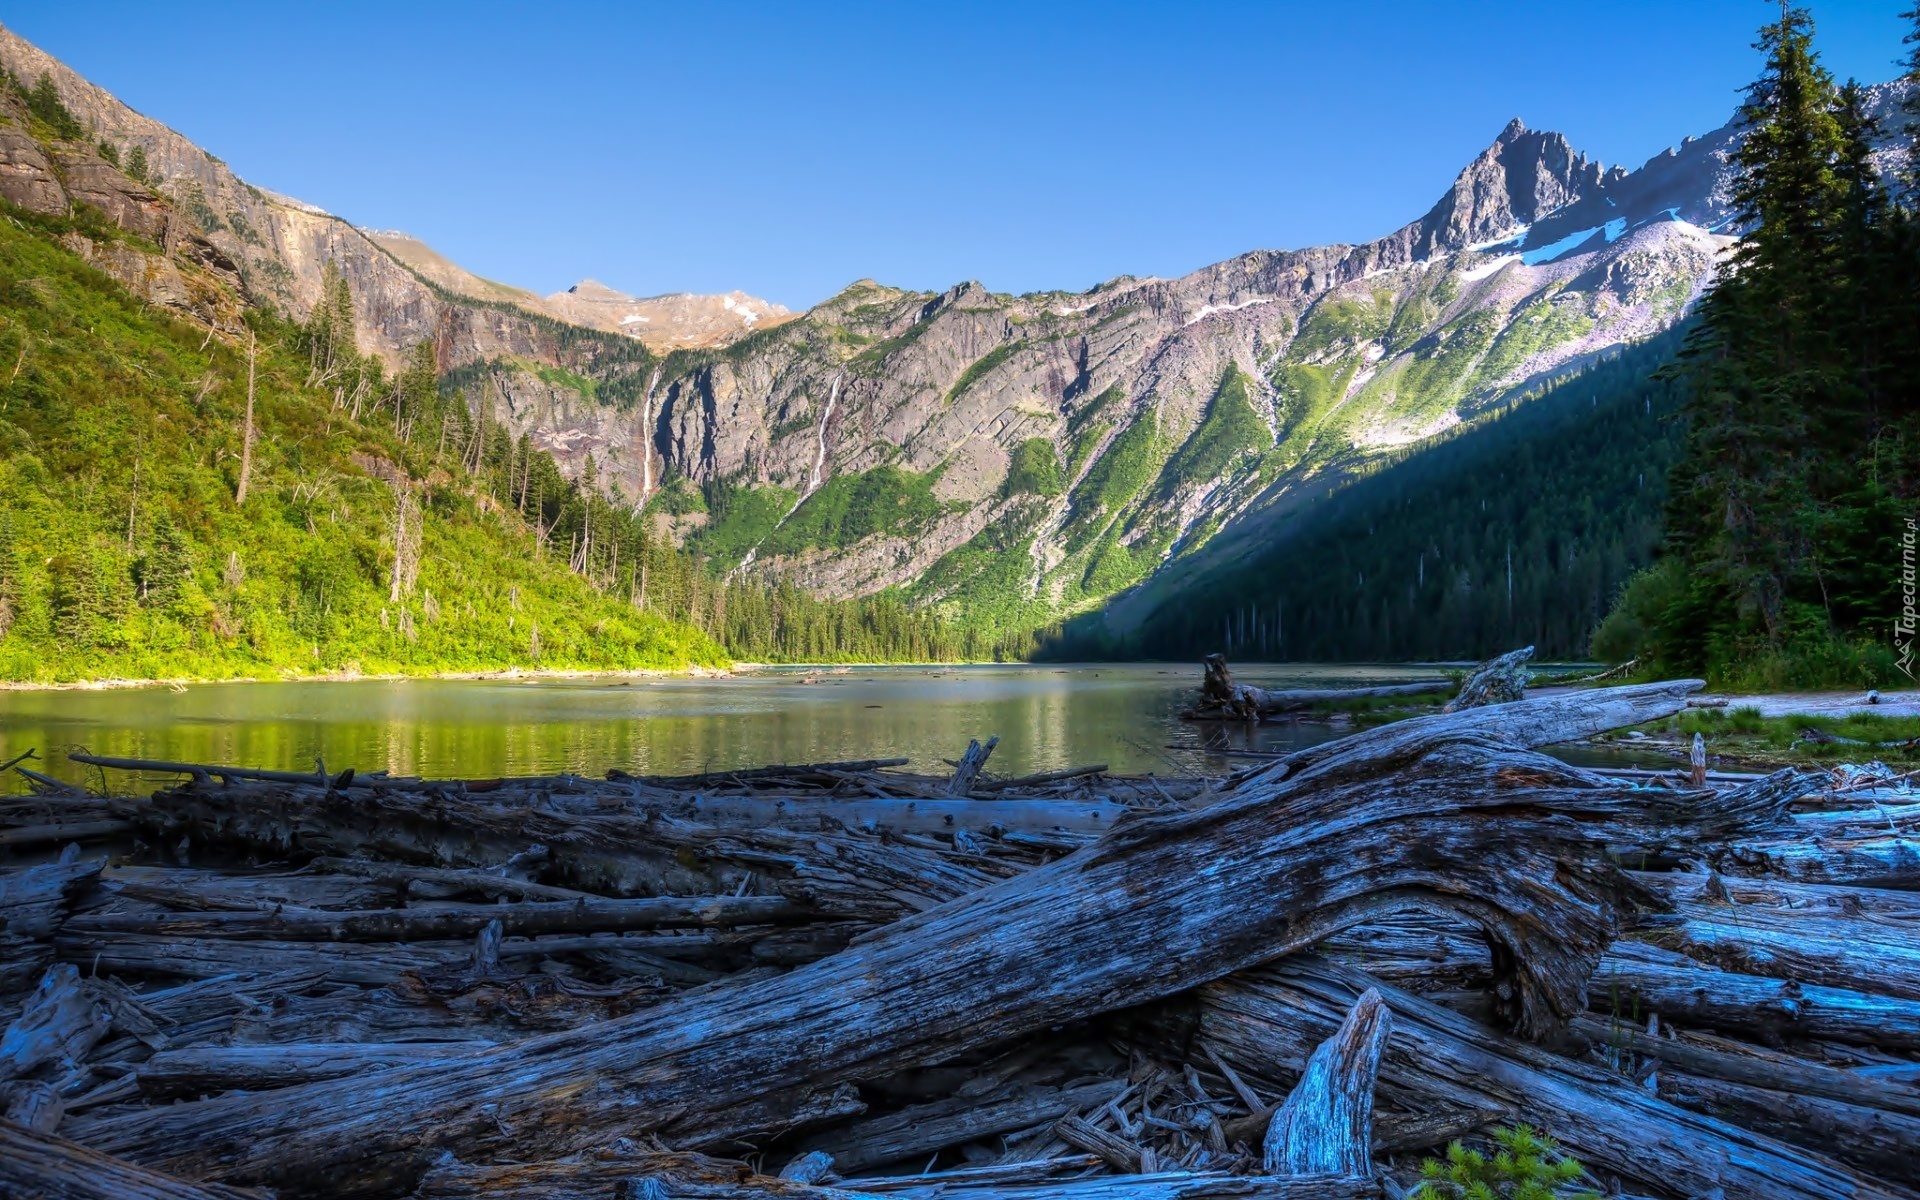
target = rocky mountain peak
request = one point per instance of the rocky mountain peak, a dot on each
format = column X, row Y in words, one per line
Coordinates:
column 1523, row 176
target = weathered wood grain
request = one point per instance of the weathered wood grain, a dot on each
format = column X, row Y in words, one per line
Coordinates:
column 1266, row 1022
column 443, row 921
column 42, row 1167
column 1515, row 842
column 1326, row 1125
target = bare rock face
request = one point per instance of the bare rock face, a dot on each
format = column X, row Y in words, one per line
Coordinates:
column 26, row 177
column 1519, row 178
column 90, row 179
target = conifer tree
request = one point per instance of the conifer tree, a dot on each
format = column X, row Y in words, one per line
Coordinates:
column 1800, row 374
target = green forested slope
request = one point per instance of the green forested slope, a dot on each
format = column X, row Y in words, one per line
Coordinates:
column 1789, row 558
column 1520, row 531
column 125, row 552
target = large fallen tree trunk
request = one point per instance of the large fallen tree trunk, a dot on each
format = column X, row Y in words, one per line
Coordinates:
column 449, row 921
column 842, row 873
column 1515, row 842
column 43, row 1167
column 1543, row 722
column 1264, row 1023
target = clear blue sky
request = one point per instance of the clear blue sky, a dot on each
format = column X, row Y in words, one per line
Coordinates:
column 788, row 149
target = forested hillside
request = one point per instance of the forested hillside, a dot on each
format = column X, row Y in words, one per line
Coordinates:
column 1790, row 552
column 194, row 488
column 1520, row 530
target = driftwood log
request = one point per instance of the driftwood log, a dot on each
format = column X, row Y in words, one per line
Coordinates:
column 863, row 986
column 1263, row 1022
column 1514, row 842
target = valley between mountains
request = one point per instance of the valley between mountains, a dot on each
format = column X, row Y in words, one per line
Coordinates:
column 1006, row 462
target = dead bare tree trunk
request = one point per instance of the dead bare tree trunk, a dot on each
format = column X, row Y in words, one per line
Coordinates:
column 246, row 440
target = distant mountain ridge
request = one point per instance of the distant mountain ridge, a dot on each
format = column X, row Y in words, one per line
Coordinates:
column 406, row 292
column 1015, row 458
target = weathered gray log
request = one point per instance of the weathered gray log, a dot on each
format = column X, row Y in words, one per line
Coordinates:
column 198, row 890
column 1117, row 1152
column 1326, row 1125
column 436, row 921
column 1653, row 980
column 1515, row 842
column 1545, row 721
column 1886, row 1144
column 401, row 878
column 1040, row 778
column 1266, row 1022
column 200, row 1070
column 1635, row 978
column 33, row 902
column 811, row 1167
column 920, row 1129
column 57, row 833
column 41, row 1167
column 159, row 957
column 776, row 772
column 33, row 1104
column 1499, row 680
column 1830, row 899
column 846, row 873
column 62, row 1020
column 970, row 765
column 874, row 814
column 1810, row 947
column 204, row 770
column 1752, row 1066
column 1884, row 860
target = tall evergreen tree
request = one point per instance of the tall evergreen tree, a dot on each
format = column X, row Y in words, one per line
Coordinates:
column 1800, row 373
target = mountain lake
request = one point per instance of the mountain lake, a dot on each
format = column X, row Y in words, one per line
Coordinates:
column 1046, row 716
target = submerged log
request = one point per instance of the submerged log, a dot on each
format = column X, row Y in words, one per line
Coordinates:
column 1222, row 698
column 1516, row 843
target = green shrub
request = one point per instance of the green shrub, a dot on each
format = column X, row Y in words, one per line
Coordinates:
column 1524, row 1166
column 1035, row 470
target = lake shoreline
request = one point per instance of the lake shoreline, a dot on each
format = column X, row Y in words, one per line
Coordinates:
column 508, row 673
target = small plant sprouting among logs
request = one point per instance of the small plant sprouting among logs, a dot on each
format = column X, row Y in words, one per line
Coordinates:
column 1524, row 1166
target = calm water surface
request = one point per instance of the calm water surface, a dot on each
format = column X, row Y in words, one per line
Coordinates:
column 1047, row 717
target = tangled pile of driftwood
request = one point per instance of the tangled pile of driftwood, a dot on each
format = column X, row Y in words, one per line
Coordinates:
column 842, row 981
